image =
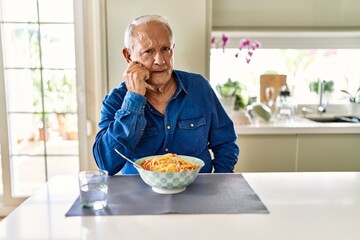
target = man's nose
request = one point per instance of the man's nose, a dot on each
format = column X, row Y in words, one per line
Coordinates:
column 158, row 58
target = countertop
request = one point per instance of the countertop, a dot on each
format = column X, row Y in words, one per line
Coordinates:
column 297, row 126
column 308, row 206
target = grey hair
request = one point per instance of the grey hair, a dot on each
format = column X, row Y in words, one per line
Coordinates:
column 144, row 20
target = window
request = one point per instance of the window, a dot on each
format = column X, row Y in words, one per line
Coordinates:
column 303, row 57
column 40, row 88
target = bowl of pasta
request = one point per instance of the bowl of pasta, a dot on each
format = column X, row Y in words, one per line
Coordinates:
column 169, row 173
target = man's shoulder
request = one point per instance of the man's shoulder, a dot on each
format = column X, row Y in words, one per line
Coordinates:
column 191, row 78
column 185, row 74
column 118, row 92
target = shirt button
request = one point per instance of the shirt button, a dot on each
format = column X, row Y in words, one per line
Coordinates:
column 166, row 149
column 168, row 127
column 191, row 125
column 143, row 106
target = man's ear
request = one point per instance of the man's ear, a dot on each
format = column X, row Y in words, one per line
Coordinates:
column 126, row 54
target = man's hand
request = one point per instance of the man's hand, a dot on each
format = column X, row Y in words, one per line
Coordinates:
column 135, row 76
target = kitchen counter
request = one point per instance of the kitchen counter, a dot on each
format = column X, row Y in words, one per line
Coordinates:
column 301, row 205
column 300, row 145
column 298, row 126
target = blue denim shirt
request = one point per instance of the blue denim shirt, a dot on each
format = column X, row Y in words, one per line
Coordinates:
column 194, row 122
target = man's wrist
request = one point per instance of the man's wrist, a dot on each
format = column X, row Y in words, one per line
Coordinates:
column 134, row 102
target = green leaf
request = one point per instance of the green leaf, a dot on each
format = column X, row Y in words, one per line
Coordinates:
column 314, row 86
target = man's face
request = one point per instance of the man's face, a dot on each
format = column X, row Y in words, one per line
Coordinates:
column 153, row 48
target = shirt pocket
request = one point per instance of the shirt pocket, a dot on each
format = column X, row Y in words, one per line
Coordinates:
column 147, row 143
column 193, row 135
column 149, row 131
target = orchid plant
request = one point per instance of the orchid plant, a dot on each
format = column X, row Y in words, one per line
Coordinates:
column 245, row 44
column 353, row 98
column 223, row 41
column 234, row 88
column 250, row 46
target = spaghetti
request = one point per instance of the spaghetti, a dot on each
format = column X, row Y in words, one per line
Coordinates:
column 169, row 162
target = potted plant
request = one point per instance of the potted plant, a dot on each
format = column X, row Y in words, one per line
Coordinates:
column 353, row 98
column 235, row 92
column 328, row 87
column 323, row 89
column 235, row 100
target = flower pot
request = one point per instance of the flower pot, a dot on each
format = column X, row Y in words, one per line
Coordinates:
column 241, row 117
column 72, row 135
column 354, row 109
column 228, row 103
column 43, row 134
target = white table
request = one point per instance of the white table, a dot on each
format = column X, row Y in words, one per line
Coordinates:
column 302, row 206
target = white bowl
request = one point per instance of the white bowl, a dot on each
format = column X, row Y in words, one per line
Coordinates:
column 169, row 182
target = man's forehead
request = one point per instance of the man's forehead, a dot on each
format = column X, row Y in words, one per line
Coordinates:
column 151, row 26
column 152, row 30
column 145, row 40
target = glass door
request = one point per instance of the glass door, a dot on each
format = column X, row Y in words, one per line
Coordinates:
column 40, row 92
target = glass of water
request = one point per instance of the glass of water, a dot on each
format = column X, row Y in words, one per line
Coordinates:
column 93, row 188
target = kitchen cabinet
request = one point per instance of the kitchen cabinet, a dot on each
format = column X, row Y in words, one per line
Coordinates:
column 266, row 153
column 298, row 152
column 332, row 152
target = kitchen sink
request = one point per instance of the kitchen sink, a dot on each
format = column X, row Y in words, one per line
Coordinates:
column 329, row 118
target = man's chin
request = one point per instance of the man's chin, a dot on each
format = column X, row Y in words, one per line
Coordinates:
column 159, row 77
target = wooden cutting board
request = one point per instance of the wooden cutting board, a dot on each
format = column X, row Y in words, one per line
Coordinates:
column 275, row 81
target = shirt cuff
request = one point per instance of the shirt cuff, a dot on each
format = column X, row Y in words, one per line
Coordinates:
column 134, row 102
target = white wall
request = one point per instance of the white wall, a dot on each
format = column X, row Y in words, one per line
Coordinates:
column 192, row 22
column 189, row 19
column 320, row 14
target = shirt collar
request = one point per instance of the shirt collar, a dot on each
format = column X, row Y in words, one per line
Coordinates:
column 180, row 84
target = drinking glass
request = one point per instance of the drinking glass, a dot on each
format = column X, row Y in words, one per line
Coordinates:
column 93, row 188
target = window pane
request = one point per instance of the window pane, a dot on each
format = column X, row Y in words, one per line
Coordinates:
column 60, row 90
column 58, row 49
column 39, row 60
column 28, row 134
column 24, row 130
column 1, row 178
column 28, row 174
column 56, row 11
column 302, row 66
column 19, row 10
column 66, row 128
column 24, row 90
column 22, row 46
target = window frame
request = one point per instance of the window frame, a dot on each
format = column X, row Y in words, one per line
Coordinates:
column 293, row 38
column 85, row 124
column 296, row 39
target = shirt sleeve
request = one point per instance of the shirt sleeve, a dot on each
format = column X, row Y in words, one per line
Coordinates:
column 222, row 140
column 121, row 125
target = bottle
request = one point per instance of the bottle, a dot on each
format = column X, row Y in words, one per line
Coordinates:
column 284, row 108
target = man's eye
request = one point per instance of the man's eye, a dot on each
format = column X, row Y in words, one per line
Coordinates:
column 149, row 51
column 165, row 49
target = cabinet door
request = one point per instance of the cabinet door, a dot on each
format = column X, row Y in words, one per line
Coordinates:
column 329, row 152
column 190, row 21
column 265, row 153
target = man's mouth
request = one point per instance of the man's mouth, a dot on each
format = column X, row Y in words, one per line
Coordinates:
column 158, row 72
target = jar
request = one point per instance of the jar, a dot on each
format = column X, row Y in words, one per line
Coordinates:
column 284, row 108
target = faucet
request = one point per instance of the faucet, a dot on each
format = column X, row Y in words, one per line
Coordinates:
column 321, row 107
